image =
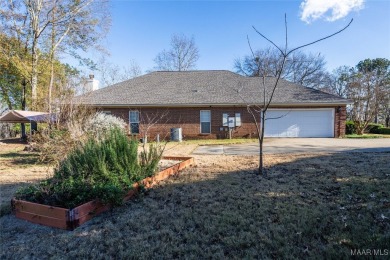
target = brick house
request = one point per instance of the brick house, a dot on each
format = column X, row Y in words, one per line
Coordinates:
column 206, row 104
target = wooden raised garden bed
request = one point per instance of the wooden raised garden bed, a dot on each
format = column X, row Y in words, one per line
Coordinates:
column 72, row 218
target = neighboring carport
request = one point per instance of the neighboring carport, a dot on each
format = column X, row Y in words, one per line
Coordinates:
column 21, row 116
column 29, row 117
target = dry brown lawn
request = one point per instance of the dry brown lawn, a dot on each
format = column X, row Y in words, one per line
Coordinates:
column 18, row 169
column 310, row 206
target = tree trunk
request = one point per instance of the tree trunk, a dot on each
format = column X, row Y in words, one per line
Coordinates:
column 22, row 125
column 51, row 85
column 359, row 128
column 261, row 163
column 50, row 89
column 52, row 52
column 34, row 75
column 34, row 8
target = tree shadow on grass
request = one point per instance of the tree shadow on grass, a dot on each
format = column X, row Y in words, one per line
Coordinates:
column 310, row 206
column 7, row 192
column 19, row 158
column 13, row 141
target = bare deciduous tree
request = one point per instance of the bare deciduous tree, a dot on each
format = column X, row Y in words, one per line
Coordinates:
column 111, row 74
column 182, row 56
column 131, row 71
column 74, row 25
column 285, row 53
column 336, row 84
column 34, row 11
column 154, row 120
column 301, row 68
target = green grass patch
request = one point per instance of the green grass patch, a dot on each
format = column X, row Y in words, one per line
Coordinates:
column 366, row 136
column 20, row 158
column 221, row 141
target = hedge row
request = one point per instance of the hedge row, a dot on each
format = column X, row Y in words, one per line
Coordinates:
column 371, row 128
column 381, row 130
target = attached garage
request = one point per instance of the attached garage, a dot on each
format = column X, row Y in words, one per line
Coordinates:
column 300, row 123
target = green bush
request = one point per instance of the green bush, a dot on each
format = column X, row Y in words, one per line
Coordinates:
column 383, row 131
column 350, row 127
column 104, row 170
column 149, row 159
column 372, row 128
column 378, row 129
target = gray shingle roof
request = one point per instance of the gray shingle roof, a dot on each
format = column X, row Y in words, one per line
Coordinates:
column 208, row 87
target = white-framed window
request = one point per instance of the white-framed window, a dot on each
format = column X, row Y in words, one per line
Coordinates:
column 134, row 121
column 225, row 117
column 238, row 119
column 205, row 122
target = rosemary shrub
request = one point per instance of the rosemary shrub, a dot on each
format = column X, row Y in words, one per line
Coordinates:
column 102, row 169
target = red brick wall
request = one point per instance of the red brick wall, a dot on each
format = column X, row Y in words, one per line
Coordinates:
column 340, row 118
column 160, row 120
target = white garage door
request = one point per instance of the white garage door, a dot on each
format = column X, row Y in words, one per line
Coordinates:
column 299, row 123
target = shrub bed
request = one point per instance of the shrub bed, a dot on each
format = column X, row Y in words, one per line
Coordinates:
column 102, row 169
column 383, row 131
column 378, row 129
column 350, row 128
column 372, row 128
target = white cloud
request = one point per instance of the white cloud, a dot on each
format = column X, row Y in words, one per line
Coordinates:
column 330, row 10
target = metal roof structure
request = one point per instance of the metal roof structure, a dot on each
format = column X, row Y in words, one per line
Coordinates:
column 20, row 116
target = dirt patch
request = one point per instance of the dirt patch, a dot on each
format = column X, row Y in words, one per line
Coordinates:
column 179, row 149
column 163, row 164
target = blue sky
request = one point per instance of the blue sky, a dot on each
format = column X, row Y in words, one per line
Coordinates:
column 141, row 29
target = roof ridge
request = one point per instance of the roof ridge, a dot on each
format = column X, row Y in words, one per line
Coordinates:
column 182, row 71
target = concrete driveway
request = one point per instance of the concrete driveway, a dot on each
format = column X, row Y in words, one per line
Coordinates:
column 299, row 145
